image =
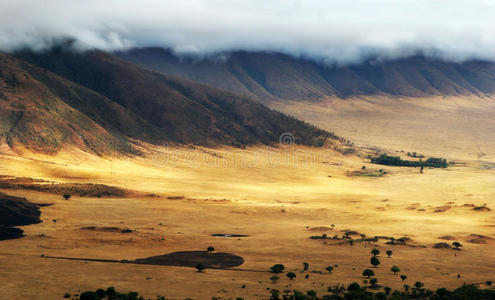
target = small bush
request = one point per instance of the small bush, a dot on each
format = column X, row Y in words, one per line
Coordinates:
column 278, row 268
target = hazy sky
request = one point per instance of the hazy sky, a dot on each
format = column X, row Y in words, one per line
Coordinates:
column 341, row 31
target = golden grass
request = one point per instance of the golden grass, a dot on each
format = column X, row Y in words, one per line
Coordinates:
column 453, row 127
column 273, row 195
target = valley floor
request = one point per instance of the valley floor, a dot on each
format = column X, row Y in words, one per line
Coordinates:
column 454, row 127
column 278, row 197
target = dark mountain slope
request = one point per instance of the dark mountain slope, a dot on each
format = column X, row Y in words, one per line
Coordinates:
column 102, row 100
column 34, row 112
column 268, row 76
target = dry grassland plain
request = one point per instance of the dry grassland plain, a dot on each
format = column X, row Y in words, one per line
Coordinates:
column 278, row 197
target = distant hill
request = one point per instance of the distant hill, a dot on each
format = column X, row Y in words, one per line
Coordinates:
column 97, row 101
column 274, row 76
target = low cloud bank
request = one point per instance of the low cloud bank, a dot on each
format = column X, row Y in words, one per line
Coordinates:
column 334, row 31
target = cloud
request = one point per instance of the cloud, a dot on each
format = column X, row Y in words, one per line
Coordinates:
column 334, row 30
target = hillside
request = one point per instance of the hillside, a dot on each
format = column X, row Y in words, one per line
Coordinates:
column 97, row 101
column 275, row 76
column 38, row 112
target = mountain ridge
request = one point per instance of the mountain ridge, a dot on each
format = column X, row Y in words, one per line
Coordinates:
column 270, row 76
column 97, row 101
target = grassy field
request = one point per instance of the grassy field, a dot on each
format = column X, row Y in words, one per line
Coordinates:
column 453, row 127
column 278, row 197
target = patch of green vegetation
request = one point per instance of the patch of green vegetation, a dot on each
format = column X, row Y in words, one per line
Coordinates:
column 321, row 237
column 431, row 162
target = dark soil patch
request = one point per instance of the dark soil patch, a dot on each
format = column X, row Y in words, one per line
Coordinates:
column 447, row 238
column 479, row 239
column 43, row 204
column 350, row 232
column 81, row 189
column 103, row 229
column 481, row 208
column 15, row 211
column 440, row 209
column 320, row 228
column 107, row 229
column 218, row 260
column 229, row 235
column 442, row 245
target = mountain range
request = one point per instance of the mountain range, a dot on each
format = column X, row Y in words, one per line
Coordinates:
column 99, row 102
column 102, row 102
column 275, row 76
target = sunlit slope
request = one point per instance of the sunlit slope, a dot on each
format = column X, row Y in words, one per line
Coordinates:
column 454, row 127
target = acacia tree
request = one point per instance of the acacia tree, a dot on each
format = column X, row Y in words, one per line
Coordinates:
column 368, row 273
column 373, row 282
column 329, row 269
column 418, row 285
column 210, row 249
column 275, row 294
column 375, row 252
column 291, row 275
column 457, row 245
column 200, row 267
column 389, row 253
column 374, row 261
column 403, row 277
column 395, row 269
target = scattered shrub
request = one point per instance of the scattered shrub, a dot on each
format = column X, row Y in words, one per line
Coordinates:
column 278, row 268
